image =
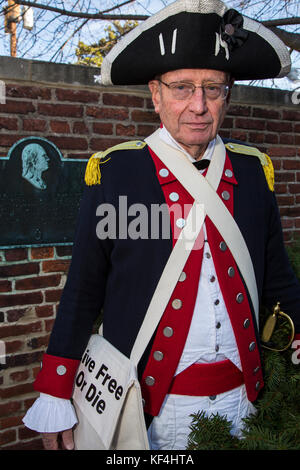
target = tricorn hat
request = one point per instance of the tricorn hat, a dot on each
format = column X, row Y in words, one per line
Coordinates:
column 202, row 34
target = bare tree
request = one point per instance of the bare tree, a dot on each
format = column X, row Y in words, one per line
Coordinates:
column 59, row 25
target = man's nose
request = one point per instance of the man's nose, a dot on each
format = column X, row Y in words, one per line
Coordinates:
column 198, row 102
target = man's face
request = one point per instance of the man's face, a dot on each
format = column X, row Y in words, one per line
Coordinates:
column 192, row 122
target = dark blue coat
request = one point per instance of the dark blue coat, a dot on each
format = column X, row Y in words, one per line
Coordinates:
column 119, row 276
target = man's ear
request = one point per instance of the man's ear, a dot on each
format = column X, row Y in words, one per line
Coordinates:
column 155, row 93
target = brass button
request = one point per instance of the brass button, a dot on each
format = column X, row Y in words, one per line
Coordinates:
column 246, row 323
column 257, row 385
column 158, row 355
column 239, row 298
column 61, row 370
column 150, row 380
column 252, row 346
column 168, row 332
column 228, row 173
column 231, row 271
column 182, row 277
column 180, row 223
column 174, row 196
column 225, row 195
column 176, row 304
column 164, row 172
column 256, row 370
column 223, row 246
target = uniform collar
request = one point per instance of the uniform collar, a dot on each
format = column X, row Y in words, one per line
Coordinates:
column 165, row 176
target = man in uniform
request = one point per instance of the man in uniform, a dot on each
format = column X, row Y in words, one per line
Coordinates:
column 205, row 354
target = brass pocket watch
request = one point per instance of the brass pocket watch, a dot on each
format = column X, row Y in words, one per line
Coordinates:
column 269, row 329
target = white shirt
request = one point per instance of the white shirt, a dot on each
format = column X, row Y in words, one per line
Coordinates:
column 210, row 327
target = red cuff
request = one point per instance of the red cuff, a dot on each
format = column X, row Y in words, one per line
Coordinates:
column 56, row 376
column 296, row 338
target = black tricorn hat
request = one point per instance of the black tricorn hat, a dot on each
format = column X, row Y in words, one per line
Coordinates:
column 202, row 34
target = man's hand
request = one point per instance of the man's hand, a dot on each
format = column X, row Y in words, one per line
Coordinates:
column 50, row 440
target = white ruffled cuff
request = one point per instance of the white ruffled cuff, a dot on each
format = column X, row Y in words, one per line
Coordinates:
column 50, row 414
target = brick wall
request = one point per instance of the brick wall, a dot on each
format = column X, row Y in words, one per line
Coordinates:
column 63, row 104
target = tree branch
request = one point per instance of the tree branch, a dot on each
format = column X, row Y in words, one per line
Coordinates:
column 291, row 40
column 282, row 21
column 89, row 16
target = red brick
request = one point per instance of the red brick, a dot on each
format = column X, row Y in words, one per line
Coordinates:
column 19, row 376
column 66, row 110
column 144, row 116
column 56, row 266
column 287, row 139
column 17, row 107
column 81, row 96
column 104, row 128
column 64, row 250
column 122, row 100
column 294, row 188
column 42, row 252
column 15, row 390
column 18, row 360
column 15, row 314
column 11, row 124
column 125, row 130
column 5, row 286
column 239, row 135
column 74, row 143
column 256, row 137
column 227, row 123
column 13, row 346
column 53, row 295
column 60, row 127
column 16, row 254
column 103, row 144
column 43, row 311
column 279, row 126
column 245, row 123
column 80, row 127
column 34, row 125
column 145, row 130
column 20, row 91
column 29, row 298
column 40, row 282
column 21, row 269
column 291, row 115
column 266, row 113
column 25, row 433
column 7, row 140
column 271, row 138
column 9, row 408
column 7, row 436
column 119, row 114
column 237, row 110
column 291, row 164
column 38, row 342
column 10, row 422
column 281, row 151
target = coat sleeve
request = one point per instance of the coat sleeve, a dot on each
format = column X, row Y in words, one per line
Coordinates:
column 81, row 301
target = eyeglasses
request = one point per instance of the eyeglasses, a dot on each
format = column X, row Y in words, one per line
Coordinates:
column 185, row 90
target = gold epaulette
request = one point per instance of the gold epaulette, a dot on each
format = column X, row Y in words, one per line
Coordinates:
column 93, row 173
column 263, row 157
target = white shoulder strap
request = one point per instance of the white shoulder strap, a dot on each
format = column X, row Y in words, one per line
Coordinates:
column 204, row 192
column 175, row 264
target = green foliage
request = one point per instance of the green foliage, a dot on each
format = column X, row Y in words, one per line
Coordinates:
column 275, row 426
column 93, row 54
